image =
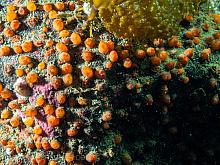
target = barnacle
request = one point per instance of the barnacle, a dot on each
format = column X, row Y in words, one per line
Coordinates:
column 146, row 19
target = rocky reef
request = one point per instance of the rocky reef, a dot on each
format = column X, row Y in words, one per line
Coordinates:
column 76, row 90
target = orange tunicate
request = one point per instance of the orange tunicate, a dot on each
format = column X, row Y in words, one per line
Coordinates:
column 11, row 7
column 75, row 38
column 13, row 104
column 87, row 56
column 64, row 57
column 39, row 159
column 103, row 47
column 64, row 33
column 58, row 25
column 45, row 144
column 170, row 65
column 24, row 60
column 89, row 43
column 29, row 121
column 15, row 24
column 108, row 65
column 4, row 51
column 91, row 157
column 40, row 101
column 61, row 97
column 31, row 6
column 106, row 116
column 205, row 54
column 17, row 49
column 163, row 55
column 41, row 65
column 59, row 6
column 53, row 162
column 183, row 59
column 69, row 157
column 8, row 32
column 113, row 56
column 151, row 51
column 155, row 61
column 1, row 87
column 188, row 35
column 47, row 7
column 55, row 144
column 127, row 63
column 196, row 40
column 53, row 121
column 100, row 73
column 188, row 18
column 27, row 46
column 140, row 53
column 52, row 14
column 111, row 45
column 32, row 77
column 173, row 42
column 196, row 32
column 72, row 132
column 11, row 15
column 61, row 47
column 6, row 94
column 67, row 79
column 216, row 45
column 66, row 68
column 30, row 111
column 60, row 112
column 5, row 114
column 37, row 130
column 216, row 18
column 19, row 72
column 52, row 70
column 189, row 52
column 49, row 43
column 87, row 72
column 49, row 109
column 15, row 121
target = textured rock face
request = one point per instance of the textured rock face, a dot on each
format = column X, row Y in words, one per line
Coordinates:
column 147, row 18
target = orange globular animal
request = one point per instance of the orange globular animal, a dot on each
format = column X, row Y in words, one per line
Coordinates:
column 91, row 157
column 127, row 63
column 47, row 7
column 64, row 57
column 60, row 112
column 31, row 6
column 151, row 51
column 103, row 47
column 69, row 157
column 49, row 109
column 113, row 56
column 17, row 49
column 53, row 121
column 8, row 32
column 27, row 46
column 75, row 38
column 24, row 60
column 58, row 25
column 87, row 72
column 66, row 68
column 89, row 43
column 61, row 47
column 67, row 79
column 87, row 56
column 15, row 24
column 163, row 55
column 32, row 77
column 15, row 121
column 55, row 144
column 5, row 51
